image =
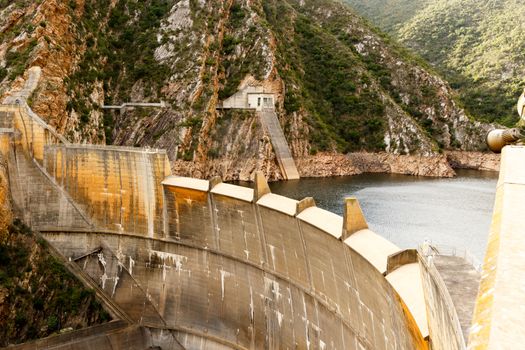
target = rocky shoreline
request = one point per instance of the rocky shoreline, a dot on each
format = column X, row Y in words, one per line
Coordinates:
column 330, row 164
column 474, row 160
column 337, row 164
column 438, row 165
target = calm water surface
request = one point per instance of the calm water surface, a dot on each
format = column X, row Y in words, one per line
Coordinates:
column 407, row 209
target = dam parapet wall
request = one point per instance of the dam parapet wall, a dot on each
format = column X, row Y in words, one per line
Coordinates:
column 443, row 320
column 498, row 315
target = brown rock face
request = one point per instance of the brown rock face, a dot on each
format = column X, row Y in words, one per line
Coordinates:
column 56, row 47
column 474, row 160
column 238, row 147
column 57, row 59
column 333, row 164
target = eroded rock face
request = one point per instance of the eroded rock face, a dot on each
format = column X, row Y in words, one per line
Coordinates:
column 474, row 160
column 50, row 40
column 330, row 164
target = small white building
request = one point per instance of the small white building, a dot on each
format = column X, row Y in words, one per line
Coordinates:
column 260, row 101
column 251, row 97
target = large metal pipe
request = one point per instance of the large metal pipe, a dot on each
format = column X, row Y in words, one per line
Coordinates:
column 499, row 138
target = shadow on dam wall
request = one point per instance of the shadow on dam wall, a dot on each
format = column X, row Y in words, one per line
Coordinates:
column 204, row 263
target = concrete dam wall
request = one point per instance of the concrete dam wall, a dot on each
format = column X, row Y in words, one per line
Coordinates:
column 206, row 264
column 119, row 189
column 57, row 185
column 231, row 272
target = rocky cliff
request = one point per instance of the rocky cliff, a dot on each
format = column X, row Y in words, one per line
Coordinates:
column 330, row 164
column 474, row 160
column 340, row 86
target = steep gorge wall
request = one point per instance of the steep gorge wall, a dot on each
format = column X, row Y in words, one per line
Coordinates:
column 45, row 34
column 340, row 86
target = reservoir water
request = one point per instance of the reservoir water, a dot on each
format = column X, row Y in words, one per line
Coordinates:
column 408, row 210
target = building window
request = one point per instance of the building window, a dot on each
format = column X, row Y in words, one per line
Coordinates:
column 258, row 102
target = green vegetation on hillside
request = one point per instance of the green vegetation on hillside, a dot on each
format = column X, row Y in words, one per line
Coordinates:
column 476, row 45
column 345, row 77
column 233, row 66
column 16, row 62
column 127, row 45
column 38, row 296
column 388, row 14
column 333, row 81
column 340, row 91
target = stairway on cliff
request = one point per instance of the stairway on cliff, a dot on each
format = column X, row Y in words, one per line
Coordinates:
column 286, row 162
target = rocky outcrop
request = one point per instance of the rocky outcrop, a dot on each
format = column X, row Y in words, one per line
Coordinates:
column 330, row 164
column 248, row 149
column 50, row 41
column 474, row 160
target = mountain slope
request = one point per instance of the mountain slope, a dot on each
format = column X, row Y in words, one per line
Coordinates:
column 339, row 84
column 388, row 14
column 477, row 45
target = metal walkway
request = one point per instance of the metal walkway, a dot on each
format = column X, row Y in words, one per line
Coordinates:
column 282, row 151
column 462, row 281
column 136, row 104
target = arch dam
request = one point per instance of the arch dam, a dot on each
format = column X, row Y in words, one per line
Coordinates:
column 183, row 263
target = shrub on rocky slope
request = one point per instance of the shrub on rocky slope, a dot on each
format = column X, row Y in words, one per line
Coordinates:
column 477, row 45
column 38, row 296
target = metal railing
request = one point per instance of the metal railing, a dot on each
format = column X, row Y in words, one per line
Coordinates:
column 431, row 249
